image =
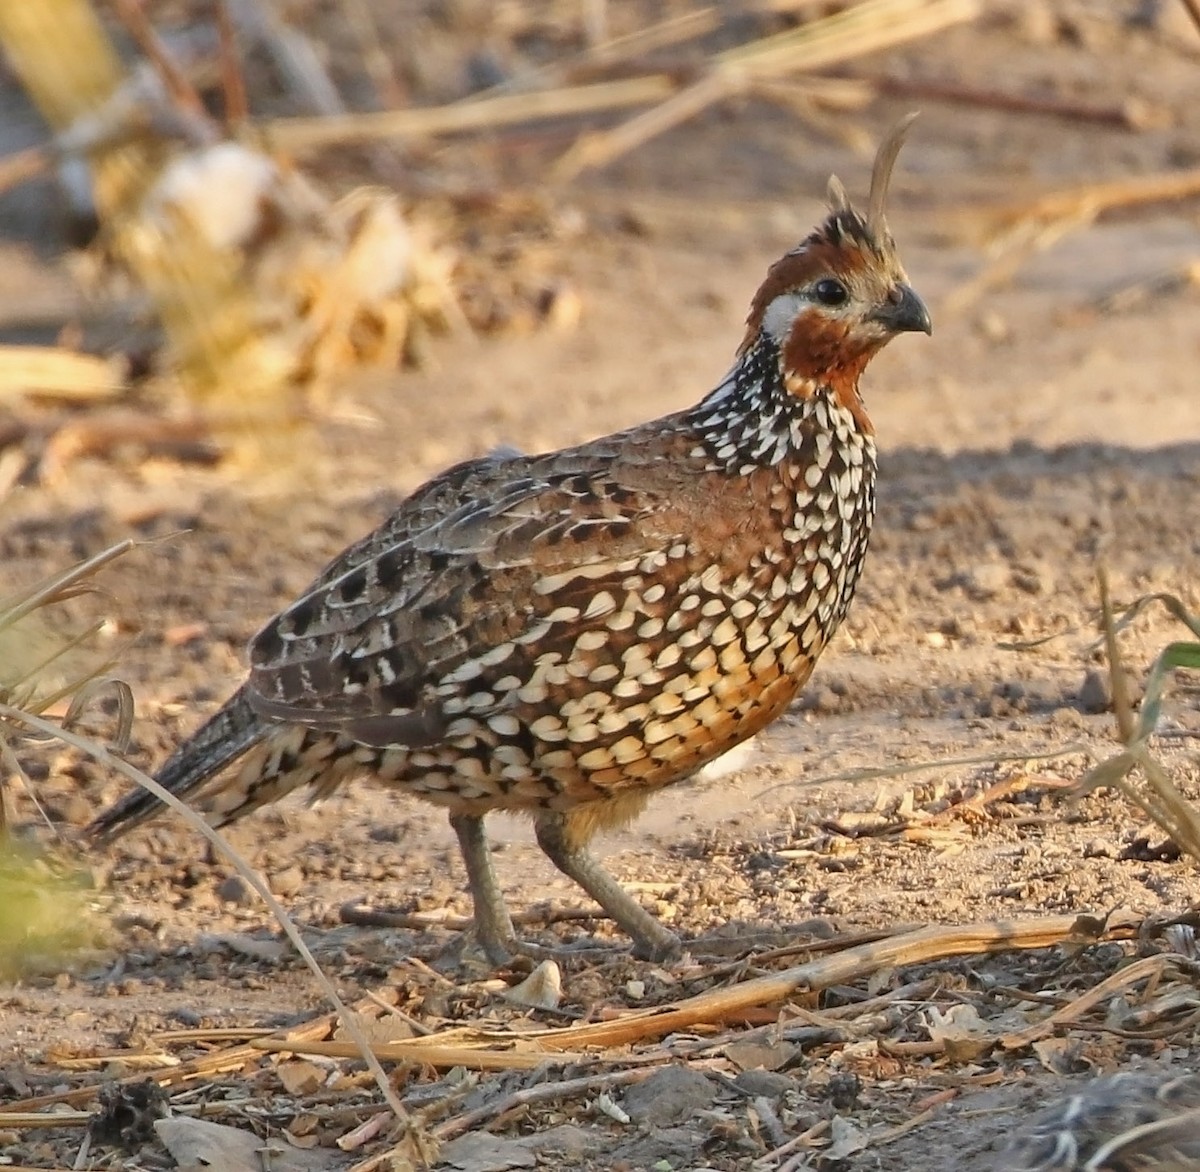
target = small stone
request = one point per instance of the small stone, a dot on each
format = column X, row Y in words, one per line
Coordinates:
column 1095, row 693
column 1067, row 720
column 769, row 1083
column 235, row 890
column 844, row 1089
column 668, row 1096
column 288, row 881
column 826, row 700
column 1032, row 577
column 985, row 580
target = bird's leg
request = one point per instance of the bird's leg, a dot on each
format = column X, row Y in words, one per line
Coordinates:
column 569, row 854
column 493, row 925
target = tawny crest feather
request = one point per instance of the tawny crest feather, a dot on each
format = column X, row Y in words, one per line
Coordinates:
column 881, row 173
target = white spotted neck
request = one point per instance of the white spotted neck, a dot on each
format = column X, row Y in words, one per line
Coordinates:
column 751, row 420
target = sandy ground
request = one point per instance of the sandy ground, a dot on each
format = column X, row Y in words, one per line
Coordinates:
column 1030, row 437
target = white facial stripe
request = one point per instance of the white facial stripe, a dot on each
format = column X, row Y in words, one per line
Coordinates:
column 780, row 314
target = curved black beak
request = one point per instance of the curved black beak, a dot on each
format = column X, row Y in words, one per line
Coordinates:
column 904, row 312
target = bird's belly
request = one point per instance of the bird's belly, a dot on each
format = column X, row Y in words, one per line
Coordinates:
column 591, row 745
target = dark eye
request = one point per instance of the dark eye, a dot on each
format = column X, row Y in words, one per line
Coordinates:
column 830, row 292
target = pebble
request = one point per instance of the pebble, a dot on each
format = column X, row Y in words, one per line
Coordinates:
column 986, row 580
column 668, row 1096
column 288, row 881
column 235, row 890
column 1067, row 720
column 1095, row 693
column 769, row 1083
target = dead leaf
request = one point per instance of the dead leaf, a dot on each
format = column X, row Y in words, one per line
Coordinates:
column 845, row 1140
column 759, row 1056
column 542, row 989
column 300, row 1078
column 964, row 1035
column 202, row 1143
column 378, row 1030
column 1058, row 1055
column 272, row 951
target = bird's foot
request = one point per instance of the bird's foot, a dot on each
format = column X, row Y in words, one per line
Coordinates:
column 651, row 940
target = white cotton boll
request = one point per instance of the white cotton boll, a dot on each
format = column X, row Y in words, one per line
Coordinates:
column 379, row 261
column 220, row 189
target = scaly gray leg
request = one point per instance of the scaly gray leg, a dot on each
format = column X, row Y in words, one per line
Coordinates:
column 493, row 925
column 650, row 939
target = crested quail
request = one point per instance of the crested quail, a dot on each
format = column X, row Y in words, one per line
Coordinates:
column 566, row 634
column 1123, row 1123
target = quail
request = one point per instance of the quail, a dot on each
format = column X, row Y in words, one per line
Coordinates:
column 1120, row 1123
column 566, row 634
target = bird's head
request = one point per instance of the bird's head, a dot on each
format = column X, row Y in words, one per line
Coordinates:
column 841, row 294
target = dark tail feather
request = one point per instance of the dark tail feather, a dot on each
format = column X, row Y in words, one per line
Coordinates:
column 226, row 736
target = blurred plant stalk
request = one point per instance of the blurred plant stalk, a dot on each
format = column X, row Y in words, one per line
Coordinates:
column 266, row 291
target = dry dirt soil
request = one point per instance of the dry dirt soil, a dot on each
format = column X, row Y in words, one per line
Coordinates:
column 1041, row 430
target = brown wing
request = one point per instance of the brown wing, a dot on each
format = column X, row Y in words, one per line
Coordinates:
column 371, row 650
column 428, row 505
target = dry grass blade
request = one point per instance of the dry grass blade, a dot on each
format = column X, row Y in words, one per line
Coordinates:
column 904, row 948
column 890, row 772
column 88, row 691
column 58, row 373
column 1149, row 968
column 60, row 586
column 33, row 1119
column 1080, row 204
column 1159, row 1143
column 207, row 1065
column 818, row 44
column 1013, row 232
column 299, row 134
column 831, row 40
column 438, row 1056
column 547, row 1092
column 671, row 31
column 103, row 756
column 1160, row 798
column 1173, row 605
column 29, row 651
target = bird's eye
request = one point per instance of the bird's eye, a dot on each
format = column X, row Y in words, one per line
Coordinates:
column 830, row 292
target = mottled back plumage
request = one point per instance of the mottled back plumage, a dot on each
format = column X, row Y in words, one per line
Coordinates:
column 566, row 633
